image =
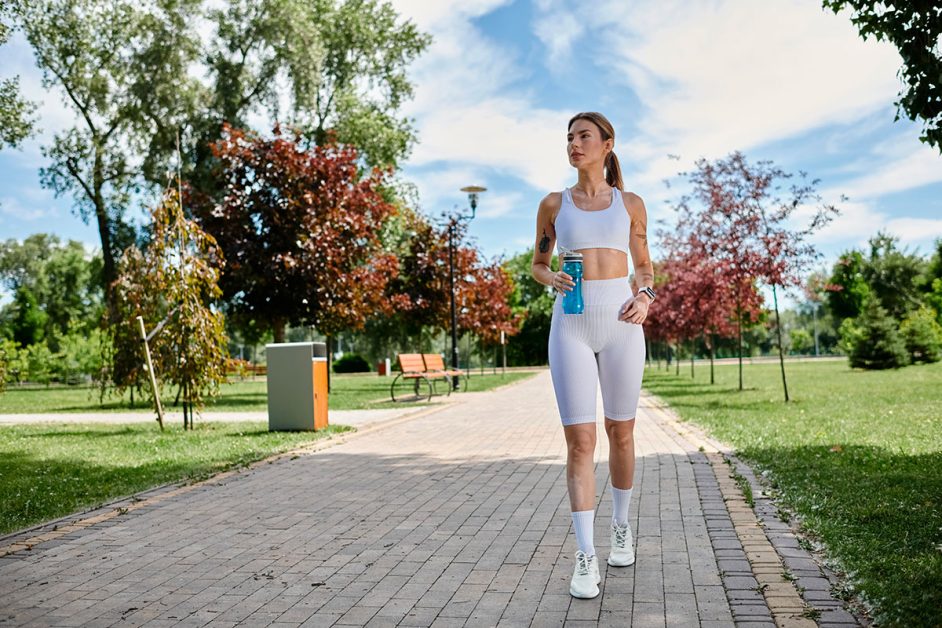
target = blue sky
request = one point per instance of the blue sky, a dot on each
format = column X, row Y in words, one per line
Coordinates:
column 778, row 79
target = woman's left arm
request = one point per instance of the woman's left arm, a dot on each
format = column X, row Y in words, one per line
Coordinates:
column 635, row 309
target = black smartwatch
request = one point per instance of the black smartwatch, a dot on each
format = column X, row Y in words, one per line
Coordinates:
column 648, row 291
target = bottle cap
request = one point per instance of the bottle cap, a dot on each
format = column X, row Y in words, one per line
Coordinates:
column 572, row 256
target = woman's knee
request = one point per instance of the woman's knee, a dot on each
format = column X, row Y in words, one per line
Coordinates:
column 580, row 441
column 620, row 434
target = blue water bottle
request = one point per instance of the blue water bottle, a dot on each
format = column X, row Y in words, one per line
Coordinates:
column 572, row 300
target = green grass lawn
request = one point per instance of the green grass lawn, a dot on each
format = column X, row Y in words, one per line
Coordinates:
column 51, row 470
column 858, row 455
column 348, row 392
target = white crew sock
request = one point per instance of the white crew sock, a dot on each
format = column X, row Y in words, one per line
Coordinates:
column 583, row 522
column 621, row 497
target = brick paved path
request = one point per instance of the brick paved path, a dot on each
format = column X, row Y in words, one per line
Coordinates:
column 459, row 517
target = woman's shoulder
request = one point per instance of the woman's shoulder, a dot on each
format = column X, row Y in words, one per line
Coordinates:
column 551, row 203
column 633, row 203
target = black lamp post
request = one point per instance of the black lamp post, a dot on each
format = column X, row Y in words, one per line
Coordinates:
column 473, row 191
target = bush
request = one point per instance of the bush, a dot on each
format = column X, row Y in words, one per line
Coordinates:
column 877, row 343
column 79, row 356
column 351, row 363
column 922, row 335
column 801, row 341
column 848, row 335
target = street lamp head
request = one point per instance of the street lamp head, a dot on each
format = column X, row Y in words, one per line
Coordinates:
column 473, row 191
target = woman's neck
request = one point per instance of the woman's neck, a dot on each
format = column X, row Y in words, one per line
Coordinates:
column 592, row 183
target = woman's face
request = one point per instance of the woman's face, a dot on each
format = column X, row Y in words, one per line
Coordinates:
column 585, row 145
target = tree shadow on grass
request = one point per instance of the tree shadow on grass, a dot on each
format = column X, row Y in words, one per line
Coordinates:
column 880, row 514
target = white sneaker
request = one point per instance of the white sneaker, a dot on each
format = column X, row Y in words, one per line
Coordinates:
column 622, row 554
column 585, row 576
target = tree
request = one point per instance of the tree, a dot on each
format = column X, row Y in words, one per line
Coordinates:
column 534, row 302
column 847, row 289
column 172, row 285
column 16, row 121
column 742, row 222
column 482, row 301
column 299, row 229
column 123, row 70
column 345, row 63
column 893, row 275
column 922, row 335
column 876, row 343
column 915, row 28
column 63, row 278
column 29, row 321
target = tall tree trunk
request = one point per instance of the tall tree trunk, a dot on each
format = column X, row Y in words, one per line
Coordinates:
column 693, row 345
column 330, row 358
column 712, row 352
column 184, row 407
column 739, row 333
column 677, row 359
column 278, row 330
column 781, row 350
column 108, row 270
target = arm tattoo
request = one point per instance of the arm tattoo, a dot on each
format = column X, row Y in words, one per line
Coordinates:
column 544, row 242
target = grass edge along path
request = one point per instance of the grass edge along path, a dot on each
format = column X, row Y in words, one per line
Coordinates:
column 855, row 459
column 26, row 539
column 48, row 471
column 349, row 392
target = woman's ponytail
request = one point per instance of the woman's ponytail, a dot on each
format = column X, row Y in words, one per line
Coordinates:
column 613, row 171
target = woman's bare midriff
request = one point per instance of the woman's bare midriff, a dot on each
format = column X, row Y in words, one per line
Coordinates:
column 603, row 264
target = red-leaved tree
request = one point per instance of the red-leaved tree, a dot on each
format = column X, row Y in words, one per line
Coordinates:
column 300, row 233
column 743, row 219
column 421, row 291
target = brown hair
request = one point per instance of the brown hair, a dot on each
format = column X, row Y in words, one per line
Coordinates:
column 612, row 168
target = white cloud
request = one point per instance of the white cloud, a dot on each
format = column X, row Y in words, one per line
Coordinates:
column 12, row 207
column 894, row 168
column 733, row 74
column 470, row 106
column 558, row 30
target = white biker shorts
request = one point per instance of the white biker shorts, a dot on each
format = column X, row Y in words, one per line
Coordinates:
column 594, row 348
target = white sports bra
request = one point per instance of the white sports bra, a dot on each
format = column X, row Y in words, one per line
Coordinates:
column 598, row 229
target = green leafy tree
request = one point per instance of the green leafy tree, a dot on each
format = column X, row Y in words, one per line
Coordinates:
column 16, row 113
column 847, row 289
column 876, row 342
column 173, row 285
column 64, row 278
column 78, row 356
column 7, row 352
column 922, row 335
column 800, row 340
column 893, row 275
column 15, row 359
column 344, row 63
column 915, row 28
column 123, row 69
column 29, row 321
column 40, row 363
column 534, row 301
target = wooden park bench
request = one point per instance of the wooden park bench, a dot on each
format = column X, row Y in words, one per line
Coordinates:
column 423, row 371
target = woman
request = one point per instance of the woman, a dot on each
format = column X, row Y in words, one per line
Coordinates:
column 605, row 343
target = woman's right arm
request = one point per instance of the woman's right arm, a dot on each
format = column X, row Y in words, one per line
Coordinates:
column 546, row 241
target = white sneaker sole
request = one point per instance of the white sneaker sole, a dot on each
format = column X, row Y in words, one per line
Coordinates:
column 583, row 596
column 617, row 564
